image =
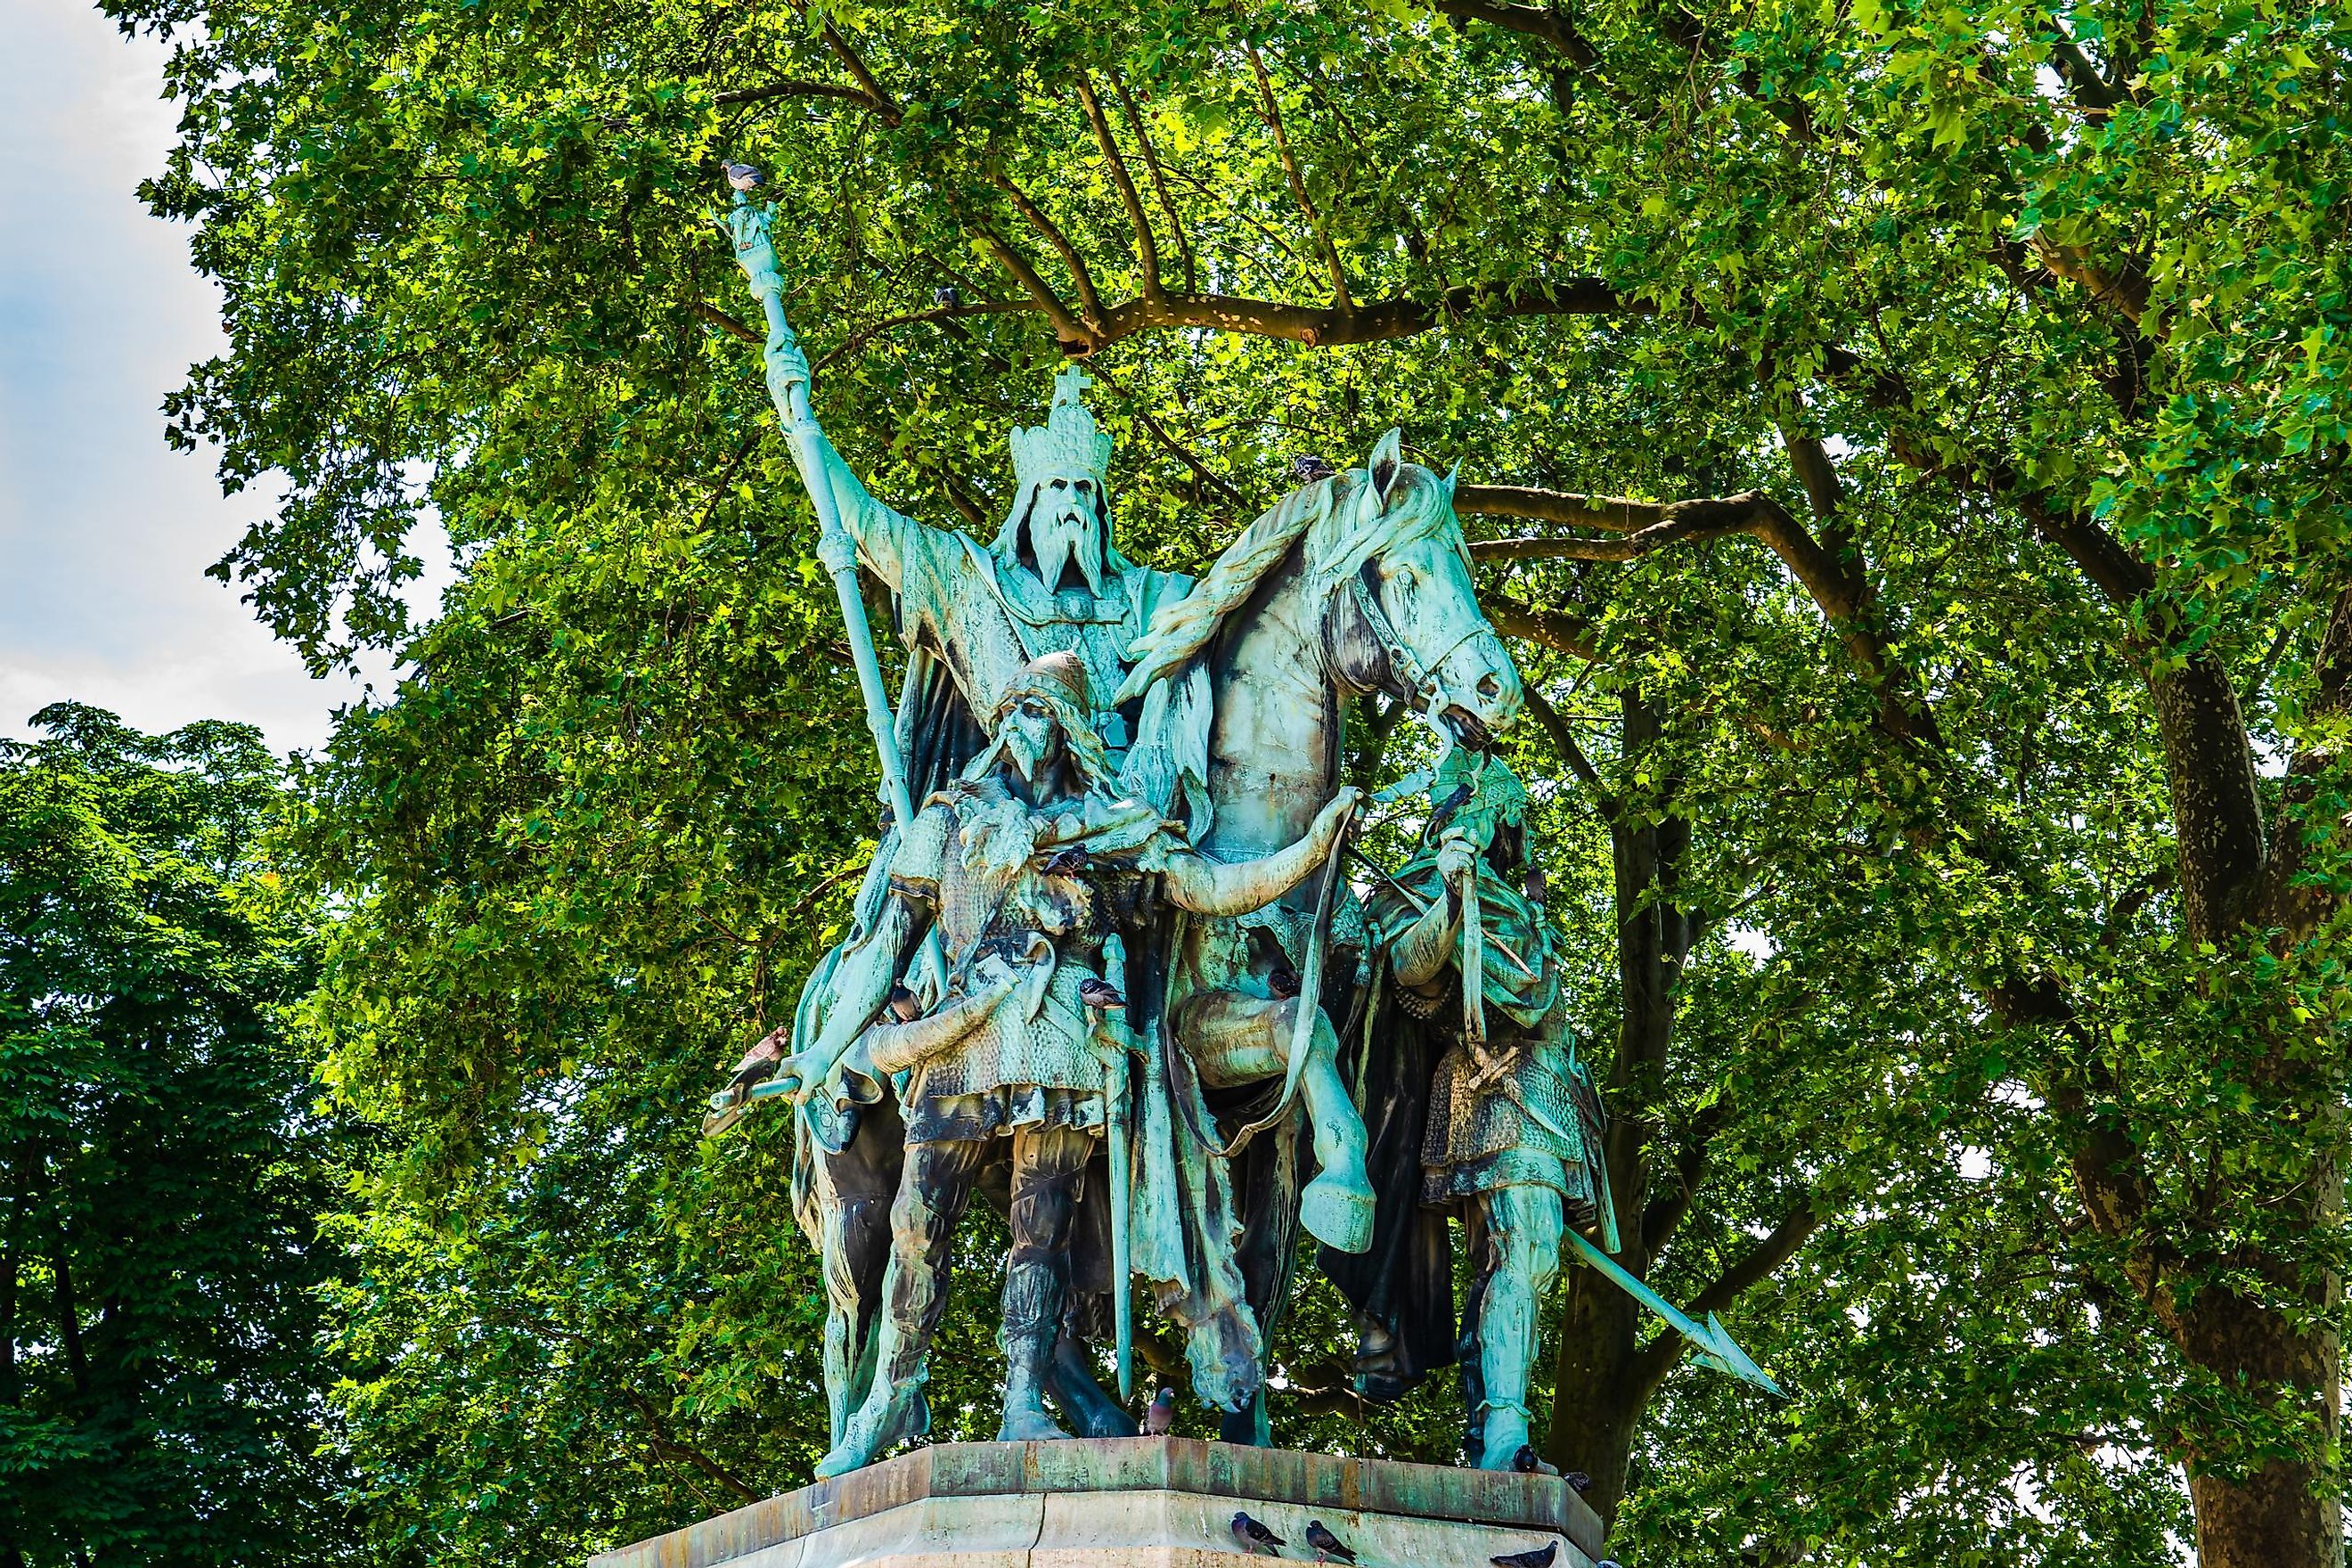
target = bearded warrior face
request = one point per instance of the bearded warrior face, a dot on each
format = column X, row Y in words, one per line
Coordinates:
column 1067, row 529
column 1033, row 736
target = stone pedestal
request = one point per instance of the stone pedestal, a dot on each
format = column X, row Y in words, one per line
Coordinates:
column 1129, row 1502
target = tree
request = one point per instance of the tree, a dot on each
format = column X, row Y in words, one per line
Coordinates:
column 160, row 1373
column 1908, row 441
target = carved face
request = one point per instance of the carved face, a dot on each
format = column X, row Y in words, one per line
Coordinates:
column 1067, row 529
column 1033, row 736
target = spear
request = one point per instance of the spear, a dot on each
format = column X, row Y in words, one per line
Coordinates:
column 748, row 224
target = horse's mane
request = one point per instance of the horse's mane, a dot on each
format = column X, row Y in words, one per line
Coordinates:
column 1341, row 534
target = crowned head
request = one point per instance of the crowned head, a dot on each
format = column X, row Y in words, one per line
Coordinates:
column 1061, row 504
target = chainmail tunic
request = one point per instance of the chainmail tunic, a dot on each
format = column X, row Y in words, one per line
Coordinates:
column 979, row 858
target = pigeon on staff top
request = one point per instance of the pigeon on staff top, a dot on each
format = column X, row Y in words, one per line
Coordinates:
column 1100, row 995
column 1329, row 1548
column 905, row 1006
column 1527, row 1462
column 745, row 176
column 1160, row 1414
column 1578, row 1479
column 1256, row 1537
column 1533, row 1557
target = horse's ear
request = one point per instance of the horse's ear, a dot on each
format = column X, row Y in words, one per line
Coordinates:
column 1387, row 462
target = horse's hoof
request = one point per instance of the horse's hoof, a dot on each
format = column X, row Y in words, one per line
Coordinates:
column 1338, row 1213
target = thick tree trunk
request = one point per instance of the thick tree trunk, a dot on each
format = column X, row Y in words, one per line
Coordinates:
column 1600, row 1382
column 2277, row 1516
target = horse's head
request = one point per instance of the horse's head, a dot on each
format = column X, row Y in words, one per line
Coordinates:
column 1402, row 615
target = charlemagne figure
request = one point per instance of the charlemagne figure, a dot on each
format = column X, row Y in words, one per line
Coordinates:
column 1024, row 863
column 1511, row 1143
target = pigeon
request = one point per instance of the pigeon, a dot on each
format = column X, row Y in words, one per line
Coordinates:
column 946, row 297
column 730, row 1105
column 1535, row 885
column 1329, row 1548
column 1307, row 467
column 1159, row 1415
column 1533, row 1557
column 1283, row 983
column 1527, row 1462
column 1256, row 1537
column 905, row 1006
column 745, row 176
column 1066, row 862
column 1579, row 1480
column 1100, row 995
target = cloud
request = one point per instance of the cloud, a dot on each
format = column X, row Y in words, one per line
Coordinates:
column 104, row 531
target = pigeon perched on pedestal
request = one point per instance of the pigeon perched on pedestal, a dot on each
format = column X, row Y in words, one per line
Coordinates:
column 1578, row 1479
column 1533, row 1557
column 745, row 176
column 1256, row 1537
column 1329, row 1548
column 1160, row 1414
column 1100, row 995
column 1527, row 1462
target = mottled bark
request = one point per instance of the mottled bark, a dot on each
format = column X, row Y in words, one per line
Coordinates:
column 1602, row 1382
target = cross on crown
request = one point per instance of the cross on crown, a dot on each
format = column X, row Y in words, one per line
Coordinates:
column 1068, row 445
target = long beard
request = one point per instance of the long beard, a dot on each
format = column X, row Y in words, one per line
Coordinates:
column 1064, row 536
column 1024, row 757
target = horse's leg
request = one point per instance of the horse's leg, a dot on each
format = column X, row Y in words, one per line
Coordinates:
column 1071, row 1378
column 1237, row 1038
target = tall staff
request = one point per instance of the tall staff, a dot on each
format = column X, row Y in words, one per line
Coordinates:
column 755, row 251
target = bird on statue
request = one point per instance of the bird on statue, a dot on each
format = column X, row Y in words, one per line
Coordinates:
column 1580, row 1480
column 1160, row 1414
column 1527, row 1462
column 730, row 1105
column 1283, row 984
column 745, row 176
column 1329, row 1548
column 905, row 1006
column 1533, row 1557
column 1307, row 467
column 1256, row 1537
column 1100, row 995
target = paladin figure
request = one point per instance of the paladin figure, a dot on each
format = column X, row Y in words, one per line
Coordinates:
column 1021, row 864
column 1512, row 1141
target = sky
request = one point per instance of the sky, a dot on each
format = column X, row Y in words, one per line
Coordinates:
column 105, row 532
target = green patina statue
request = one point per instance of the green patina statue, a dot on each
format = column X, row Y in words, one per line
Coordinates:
column 1126, row 779
column 1512, row 1143
column 1029, row 862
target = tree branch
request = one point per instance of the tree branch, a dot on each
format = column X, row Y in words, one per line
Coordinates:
column 1176, row 448
column 775, row 90
column 725, row 322
column 1610, row 515
column 1548, row 627
column 1341, row 300
column 1146, row 245
column 1090, row 309
column 1543, row 24
column 1563, row 740
column 1158, row 183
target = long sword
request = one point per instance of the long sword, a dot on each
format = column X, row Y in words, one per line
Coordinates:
column 755, row 253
